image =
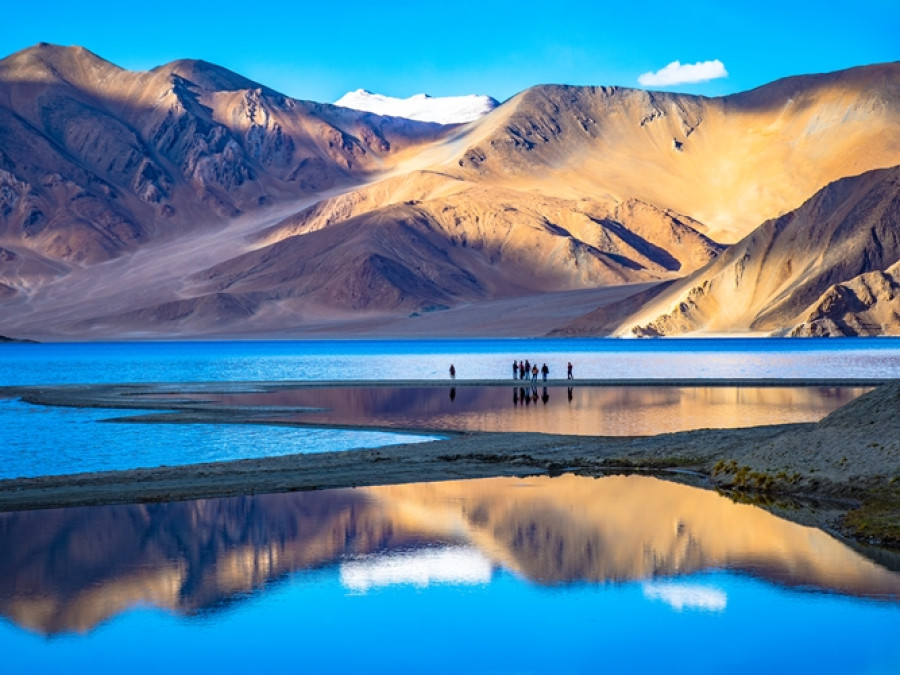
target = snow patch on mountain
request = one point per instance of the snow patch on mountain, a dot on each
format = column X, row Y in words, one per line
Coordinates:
column 421, row 107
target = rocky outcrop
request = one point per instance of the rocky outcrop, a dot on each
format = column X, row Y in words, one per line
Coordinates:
column 866, row 305
column 820, row 266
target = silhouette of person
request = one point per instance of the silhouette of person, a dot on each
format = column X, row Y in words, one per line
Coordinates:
column 452, row 394
column 515, row 369
column 545, row 371
column 545, row 396
column 569, row 372
column 452, row 372
column 569, row 392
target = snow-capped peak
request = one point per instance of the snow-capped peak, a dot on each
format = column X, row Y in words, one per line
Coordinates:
column 421, row 107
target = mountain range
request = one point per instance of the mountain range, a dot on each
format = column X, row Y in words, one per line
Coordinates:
column 191, row 201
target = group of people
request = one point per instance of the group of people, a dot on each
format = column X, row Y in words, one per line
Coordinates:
column 522, row 369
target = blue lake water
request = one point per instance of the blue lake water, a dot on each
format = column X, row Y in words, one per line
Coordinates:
column 76, row 363
column 570, row 574
column 539, row 575
column 39, row 440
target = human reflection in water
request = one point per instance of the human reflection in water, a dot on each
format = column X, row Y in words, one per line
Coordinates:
column 534, row 395
column 515, row 397
column 545, row 396
column 524, row 395
column 569, row 394
column 452, row 394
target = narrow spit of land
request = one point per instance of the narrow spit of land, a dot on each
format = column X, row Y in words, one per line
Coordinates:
column 848, row 463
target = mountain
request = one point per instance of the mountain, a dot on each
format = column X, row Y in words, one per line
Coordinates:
column 868, row 304
column 421, row 107
column 95, row 161
column 188, row 200
column 826, row 268
column 730, row 163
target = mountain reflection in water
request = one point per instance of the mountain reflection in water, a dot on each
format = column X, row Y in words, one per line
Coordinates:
column 70, row 569
column 586, row 411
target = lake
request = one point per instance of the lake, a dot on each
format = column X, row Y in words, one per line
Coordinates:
column 569, row 574
column 601, row 358
column 40, row 440
column 501, row 575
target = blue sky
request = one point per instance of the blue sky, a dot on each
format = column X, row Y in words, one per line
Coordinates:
column 321, row 50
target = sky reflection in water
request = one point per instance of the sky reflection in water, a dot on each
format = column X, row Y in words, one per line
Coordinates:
column 44, row 440
column 496, row 575
column 586, row 411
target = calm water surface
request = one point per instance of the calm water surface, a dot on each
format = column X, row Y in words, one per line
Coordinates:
column 585, row 411
column 42, row 440
column 37, row 440
column 501, row 575
column 78, row 363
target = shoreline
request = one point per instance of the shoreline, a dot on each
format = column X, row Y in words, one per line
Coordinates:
column 850, row 459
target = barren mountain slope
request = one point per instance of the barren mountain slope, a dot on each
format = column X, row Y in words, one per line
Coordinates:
column 865, row 305
column 215, row 204
column 475, row 245
column 729, row 162
column 96, row 161
column 775, row 278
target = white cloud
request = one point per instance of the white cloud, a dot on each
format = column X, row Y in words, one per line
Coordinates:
column 692, row 596
column 448, row 565
column 676, row 73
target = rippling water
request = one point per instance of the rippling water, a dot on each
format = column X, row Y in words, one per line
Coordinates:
column 566, row 574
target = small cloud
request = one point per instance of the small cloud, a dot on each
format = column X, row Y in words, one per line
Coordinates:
column 676, row 73
column 447, row 565
column 691, row 596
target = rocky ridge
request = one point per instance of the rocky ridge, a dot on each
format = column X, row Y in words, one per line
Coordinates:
column 826, row 268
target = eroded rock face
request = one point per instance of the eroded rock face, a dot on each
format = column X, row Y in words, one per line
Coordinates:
column 823, row 268
column 866, row 305
column 97, row 161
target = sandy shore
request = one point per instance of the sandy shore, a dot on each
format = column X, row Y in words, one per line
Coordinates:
column 850, row 461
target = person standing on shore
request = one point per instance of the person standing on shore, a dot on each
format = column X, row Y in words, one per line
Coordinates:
column 515, row 369
column 452, row 372
column 545, row 371
column 534, row 374
column 569, row 372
